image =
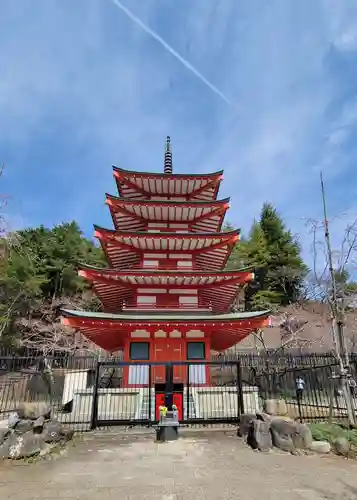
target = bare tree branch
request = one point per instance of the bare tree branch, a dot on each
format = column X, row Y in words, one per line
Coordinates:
column 321, row 287
column 291, row 331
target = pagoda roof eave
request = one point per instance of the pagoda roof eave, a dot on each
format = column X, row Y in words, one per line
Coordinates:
column 198, row 203
column 110, row 331
column 115, row 288
column 163, row 272
column 157, row 318
column 123, row 248
column 162, row 234
column 132, row 214
column 141, row 185
column 162, row 174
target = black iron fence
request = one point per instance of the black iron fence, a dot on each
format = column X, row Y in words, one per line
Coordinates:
column 86, row 392
column 51, row 379
column 198, row 390
column 308, row 386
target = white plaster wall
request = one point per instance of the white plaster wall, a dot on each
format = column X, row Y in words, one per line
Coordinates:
column 157, row 225
column 175, row 291
column 140, row 334
column 190, row 299
column 73, row 381
column 176, row 225
column 160, row 334
column 195, row 334
column 146, row 299
column 150, row 263
column 184, row 263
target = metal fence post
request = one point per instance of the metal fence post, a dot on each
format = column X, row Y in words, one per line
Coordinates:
column 240, row 389
column 149, row 402
column 94, row 416
column 188, row 393
column 298, row 394
column 169, row 386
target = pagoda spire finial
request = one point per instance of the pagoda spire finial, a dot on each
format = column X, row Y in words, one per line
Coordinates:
column 168, row 157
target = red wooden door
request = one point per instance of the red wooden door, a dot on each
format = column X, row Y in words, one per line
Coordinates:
column 158, row 372
column 177, row 351
column 177, row 400
column 166, row 350
column 159, row 401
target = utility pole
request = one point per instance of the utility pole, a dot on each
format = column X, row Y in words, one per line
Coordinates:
column 338, row 313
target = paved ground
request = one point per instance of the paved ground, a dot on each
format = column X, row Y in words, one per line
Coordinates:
column 212, row 466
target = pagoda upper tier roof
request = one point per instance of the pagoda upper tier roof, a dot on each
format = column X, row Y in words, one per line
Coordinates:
column 144, row 185
column 124, row 248
column 133, row 214
column 109, row 331
column 117, row 288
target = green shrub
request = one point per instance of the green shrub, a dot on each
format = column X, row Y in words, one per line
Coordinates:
column 329, row 432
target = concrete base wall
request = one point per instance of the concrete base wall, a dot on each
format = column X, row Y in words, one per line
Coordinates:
column 112, row 403
column 127, row 404
column 222, row 402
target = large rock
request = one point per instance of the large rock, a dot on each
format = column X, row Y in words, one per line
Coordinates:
column 265, row 417
column 283, row 442
column 297, row 434
column 13, row 420
column 302, row 437
column 23, row 426
column 4, row 449
column 275, row 407
column 320, row 447
column 54, row 432
column 269, row 418
column 259, row 437
column 4, row 433
column 24, row 446
column 245, row 424
column 33, row 411
column 341, row 446
column 283, row 427
column 282, row 432
column 38, row 425
column 30, row 437
column 4, row 424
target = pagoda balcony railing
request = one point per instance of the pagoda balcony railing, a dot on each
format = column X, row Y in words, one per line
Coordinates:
column 166, row 307
column 168, row 267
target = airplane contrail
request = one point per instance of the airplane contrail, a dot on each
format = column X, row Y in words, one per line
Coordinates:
column 172, row 51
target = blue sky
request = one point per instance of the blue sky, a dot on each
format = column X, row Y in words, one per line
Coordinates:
column 83, row 87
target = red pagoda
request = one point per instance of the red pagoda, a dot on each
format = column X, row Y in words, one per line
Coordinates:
column 166, row 295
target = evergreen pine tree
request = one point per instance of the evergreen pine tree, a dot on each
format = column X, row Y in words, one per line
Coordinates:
column 40, row 266
column 285, row 268
column 275, row 256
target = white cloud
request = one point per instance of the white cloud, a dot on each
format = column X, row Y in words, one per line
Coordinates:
column 347, row 40
column 120, row 93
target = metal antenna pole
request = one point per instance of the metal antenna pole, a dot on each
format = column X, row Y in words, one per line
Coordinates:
column 329, row 249
column 337, row 317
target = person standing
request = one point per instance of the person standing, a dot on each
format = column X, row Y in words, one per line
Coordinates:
column 353, row 386
column 300, row 386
